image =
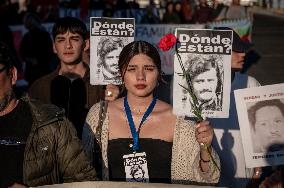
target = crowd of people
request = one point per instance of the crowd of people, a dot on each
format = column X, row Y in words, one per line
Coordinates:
column 177, row 11
column 60, row 128
column 44, row 143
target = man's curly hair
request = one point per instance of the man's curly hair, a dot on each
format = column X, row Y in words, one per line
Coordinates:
column 108, row 44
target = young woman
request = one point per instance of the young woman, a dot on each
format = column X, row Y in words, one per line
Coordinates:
column 141, row 139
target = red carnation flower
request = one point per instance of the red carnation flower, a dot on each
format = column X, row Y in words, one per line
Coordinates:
column 168, row 41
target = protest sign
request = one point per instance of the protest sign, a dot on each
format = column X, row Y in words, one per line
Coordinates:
column 261, row 119
column 206, row 57
column 107, row 38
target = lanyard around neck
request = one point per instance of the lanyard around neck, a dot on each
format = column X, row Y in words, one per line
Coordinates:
column 134, row 133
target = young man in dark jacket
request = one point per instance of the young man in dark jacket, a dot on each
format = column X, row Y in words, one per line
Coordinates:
column 38, row 145
column 69, row 85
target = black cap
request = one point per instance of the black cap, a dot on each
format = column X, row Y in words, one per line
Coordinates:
column 239, row 45
column 6, row 57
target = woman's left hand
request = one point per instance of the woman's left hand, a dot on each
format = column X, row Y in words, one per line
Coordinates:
column 111, row 92
column 204, row 133
column 204, row 136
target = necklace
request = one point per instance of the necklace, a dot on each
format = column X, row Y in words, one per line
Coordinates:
column 134, row 132
column 137, row 114
column 138, row 111
column 137, row 117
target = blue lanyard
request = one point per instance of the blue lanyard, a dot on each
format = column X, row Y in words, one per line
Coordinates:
column 135, row 134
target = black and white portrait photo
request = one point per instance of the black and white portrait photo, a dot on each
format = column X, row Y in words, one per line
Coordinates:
column 206, row 72
column 138, row 173
column 108, row 51
column 267, row 124
column 108, row 37
column 206, row 58
column 136, row 168
column 261, row 119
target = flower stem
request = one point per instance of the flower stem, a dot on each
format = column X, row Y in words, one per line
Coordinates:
column 197, row 108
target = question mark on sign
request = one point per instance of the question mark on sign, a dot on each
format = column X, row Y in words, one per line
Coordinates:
column 228, row 48
column 131, row 32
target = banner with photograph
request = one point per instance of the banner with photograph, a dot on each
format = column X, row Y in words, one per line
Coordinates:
column 107, row 38
column 206, row 57
column 261, row 119
column 152, row 33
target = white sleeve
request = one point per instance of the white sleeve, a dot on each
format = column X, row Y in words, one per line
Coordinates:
column 252, row 82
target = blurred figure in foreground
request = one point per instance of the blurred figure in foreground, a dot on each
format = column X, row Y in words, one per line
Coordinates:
column 38, row 145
